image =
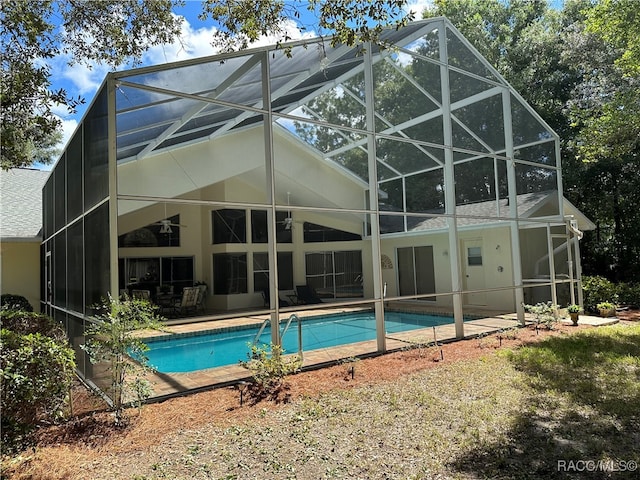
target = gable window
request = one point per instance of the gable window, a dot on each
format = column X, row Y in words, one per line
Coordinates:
column 153, row 235
column 229, row 226
column 319, row 233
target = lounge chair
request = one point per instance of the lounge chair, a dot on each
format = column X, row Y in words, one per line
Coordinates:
column 307, row 295
column 266, row 296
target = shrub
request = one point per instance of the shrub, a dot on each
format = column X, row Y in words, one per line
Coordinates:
column 37, row 373
column 545, row 313
column 110, row 339
column 629, row 294
column 269, row 368
column 9, row 301
column 30, row 322
column 597, row 289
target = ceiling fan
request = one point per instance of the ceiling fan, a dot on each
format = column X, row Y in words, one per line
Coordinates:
column 166, row 223
column 288, row 221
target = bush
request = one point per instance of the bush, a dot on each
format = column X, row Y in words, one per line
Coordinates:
column 15, row 302
column 25, row 323
column 629, row 294
column 545, row 313
column 269, row 369
column 37, row 373
column 111, row 340
column 597, row 289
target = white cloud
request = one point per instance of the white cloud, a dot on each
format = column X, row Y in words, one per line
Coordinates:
column 417, row 7
column 195, row 43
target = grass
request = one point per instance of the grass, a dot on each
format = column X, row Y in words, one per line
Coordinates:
column 514, row 414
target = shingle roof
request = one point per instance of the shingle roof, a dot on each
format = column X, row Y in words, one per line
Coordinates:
column 470, row 214
column 21, row 203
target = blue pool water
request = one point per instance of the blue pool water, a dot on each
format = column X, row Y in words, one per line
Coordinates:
column 187, row 353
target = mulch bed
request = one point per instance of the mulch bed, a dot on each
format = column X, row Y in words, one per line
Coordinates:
column 92, row 427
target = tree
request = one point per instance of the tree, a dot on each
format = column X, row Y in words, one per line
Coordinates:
column 118, row 32
column 578, row 68
column 111, row 340
column 618, row 23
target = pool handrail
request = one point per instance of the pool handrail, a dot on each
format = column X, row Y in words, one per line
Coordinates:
column 291, row 317
column 259, row 334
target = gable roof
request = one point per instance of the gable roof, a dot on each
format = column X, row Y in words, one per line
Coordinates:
column 21, row 204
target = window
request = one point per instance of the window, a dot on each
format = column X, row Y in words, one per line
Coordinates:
column 153, row 235
column 229, row 273
column 474, row 256
column 259, row 227
column 416, row 272
column 335, row 274
column 229, row 226
column 261, row 271
column 150, row 272
column 319, row 233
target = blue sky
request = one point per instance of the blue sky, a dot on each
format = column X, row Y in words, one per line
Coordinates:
column 81, row 80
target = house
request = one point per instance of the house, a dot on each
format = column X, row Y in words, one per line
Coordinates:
column 21, row 232
column 413, row 175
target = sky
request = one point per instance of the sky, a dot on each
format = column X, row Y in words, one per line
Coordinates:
column 82, row 80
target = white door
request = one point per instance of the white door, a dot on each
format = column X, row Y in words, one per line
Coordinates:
column 473, row 272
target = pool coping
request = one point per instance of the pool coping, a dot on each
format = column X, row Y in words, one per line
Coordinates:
column 167, row 385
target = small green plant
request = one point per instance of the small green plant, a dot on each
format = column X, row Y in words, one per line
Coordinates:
column 605, row 306
column 606, row 309
column 574, row 308
column 110, row 340
column 269, row 368
column 544, row 313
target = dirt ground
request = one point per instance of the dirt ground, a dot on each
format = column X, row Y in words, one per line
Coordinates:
column 91, row 426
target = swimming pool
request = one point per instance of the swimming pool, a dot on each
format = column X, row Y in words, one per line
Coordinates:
column 187, row 353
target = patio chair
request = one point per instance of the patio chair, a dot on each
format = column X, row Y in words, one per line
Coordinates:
column 141, row 295
column 202, row 292
column 188, row 301
column 307, row 295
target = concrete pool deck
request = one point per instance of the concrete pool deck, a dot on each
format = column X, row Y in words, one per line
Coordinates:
column 170, row 384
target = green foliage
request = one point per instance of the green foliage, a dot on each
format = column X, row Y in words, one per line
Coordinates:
column 111, row 340
column 269, row 367
column 118, row 32
column 618, row 23
column 9, row 301
column 629, row 294
column 597, row 289
column 37, row 373
column 545, row 313
column 574, row 308
column 30, row 322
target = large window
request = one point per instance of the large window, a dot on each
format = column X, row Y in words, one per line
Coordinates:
column 229, row 226
column 151, row 272
column 335, row 274
column 229, row 273
column 416, row 273
column 261, row 271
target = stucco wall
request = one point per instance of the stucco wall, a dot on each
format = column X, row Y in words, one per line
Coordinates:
column 20, row 266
